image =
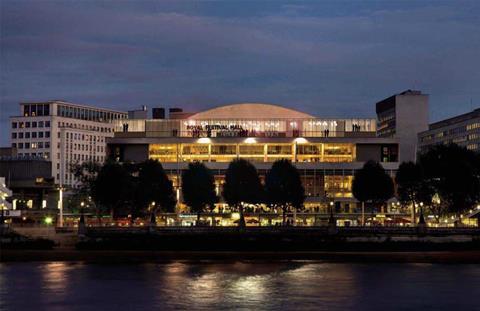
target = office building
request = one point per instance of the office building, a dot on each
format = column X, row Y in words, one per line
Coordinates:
column 63, row 133
column 463, row 130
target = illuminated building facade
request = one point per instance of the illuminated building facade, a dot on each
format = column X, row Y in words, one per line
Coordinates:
column 463, row 130
column 326, row 151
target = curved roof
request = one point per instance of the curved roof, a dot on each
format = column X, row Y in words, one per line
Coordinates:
column 251, row 111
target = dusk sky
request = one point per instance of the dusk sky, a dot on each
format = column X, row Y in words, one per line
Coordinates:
column 327, row 58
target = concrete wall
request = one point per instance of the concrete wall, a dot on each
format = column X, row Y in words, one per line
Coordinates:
column 135, row 153
column 411, row 119
column 368, row 152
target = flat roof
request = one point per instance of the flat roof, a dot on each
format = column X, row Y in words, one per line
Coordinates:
column 72, row 104
column 456, row 119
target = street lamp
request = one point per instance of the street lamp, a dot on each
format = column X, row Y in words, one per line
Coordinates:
column 331, row 220
column 153, row 219
column 82, row 217
column 421, row 220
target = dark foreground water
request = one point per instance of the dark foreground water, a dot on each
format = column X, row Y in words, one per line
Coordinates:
column 239, row 285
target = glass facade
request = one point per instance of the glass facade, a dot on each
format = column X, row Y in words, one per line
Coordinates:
column 89, row 114
column 256, row 152
column 272, row 128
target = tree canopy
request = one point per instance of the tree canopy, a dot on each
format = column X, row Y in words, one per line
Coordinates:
column 242, row 185
column 153, row 185
column 372, row 184
column 411, row 184
column 113, row 187
column 283, row 186
column 198, row 188
column 454, row 173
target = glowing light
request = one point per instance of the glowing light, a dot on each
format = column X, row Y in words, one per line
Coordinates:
column 300, row 140
column 235, row 216
column 250, row 140
column 204, row 140
column 48, row 220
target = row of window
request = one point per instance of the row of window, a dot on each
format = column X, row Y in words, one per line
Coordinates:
column 73, row 157
column 472, row 147
column 45, row 155
column 21, row 135
column 34, row 145
column 29, row 124
column 85, row 127
column 82, row 147
column 453, row 131
column 34, row 110
column 84, row 137
column 88, row 114
column 473, row 126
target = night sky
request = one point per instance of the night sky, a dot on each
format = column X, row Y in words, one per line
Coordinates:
column 327, row 58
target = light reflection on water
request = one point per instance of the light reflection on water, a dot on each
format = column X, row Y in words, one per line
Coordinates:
column 237, row 285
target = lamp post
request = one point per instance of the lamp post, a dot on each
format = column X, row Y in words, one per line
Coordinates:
column 60, row 206
column 153, row 220
column 82, row 217
column 421, row 218
column 332, row 224
column 422, row 226
column 331, row 220
column 81, row 223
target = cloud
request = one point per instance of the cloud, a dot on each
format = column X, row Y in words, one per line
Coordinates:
column 198, row 55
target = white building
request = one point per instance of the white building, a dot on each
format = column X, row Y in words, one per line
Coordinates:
column 63, row 133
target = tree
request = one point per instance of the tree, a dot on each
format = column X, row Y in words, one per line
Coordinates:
column 412, row 187
column 153, row 188
column 283, row 187
column 454, row 173
column 113, row 187
column 372, row 184
column 242, row 185
column 198, row 188
column 85, row 174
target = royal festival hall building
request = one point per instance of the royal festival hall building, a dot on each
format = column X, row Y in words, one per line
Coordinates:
column 326, row 151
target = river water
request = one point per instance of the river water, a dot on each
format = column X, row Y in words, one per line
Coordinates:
column 289, row 285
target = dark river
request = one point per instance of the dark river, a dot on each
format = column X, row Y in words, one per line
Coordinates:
column 292, row 285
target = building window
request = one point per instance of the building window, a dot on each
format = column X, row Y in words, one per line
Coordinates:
column 27, row 125
column 34, row 124
column 14, row 135
column 34, row 134
column 20, row 145
column 14, row 145
column 27, row 135
column 47, row 134
column 21, row 125
column 14, row 125
column 27, row 145
column 47, row 123
column 47, row 144
column 40, row 123
column 33, row 110
column 40, row 134
column 40, row 145
column 46, row 110
column 20, row 135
